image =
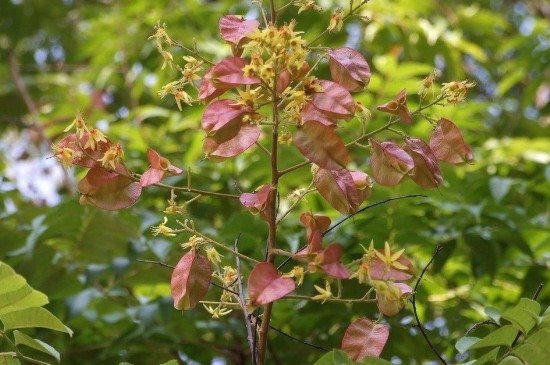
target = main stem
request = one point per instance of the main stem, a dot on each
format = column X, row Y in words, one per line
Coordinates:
column 272, row 222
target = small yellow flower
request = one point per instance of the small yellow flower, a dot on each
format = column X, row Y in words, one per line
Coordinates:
column 94, row 137
column 193, row 242
column 213, row 256
column 455, row 91
column 80, row 124
column 65, row 155
column 390, row 259
column 168, row 59
column 163, row 229
column 183, row 96
column 229, row 275
column 324, row 293
column 336, row 21
column 111, row 158
column 217, row 312
column 297, row 272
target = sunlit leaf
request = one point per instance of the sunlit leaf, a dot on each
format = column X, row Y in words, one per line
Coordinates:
column 365, row 338
column 321, row 146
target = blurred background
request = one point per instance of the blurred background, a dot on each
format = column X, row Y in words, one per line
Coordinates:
column 492, row 217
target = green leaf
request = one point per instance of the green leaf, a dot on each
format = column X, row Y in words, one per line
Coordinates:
column 23, row 339
column 7, row 359
column 335, row 357
column 464, row 343
column 493, row 313
column 12, row 283
column 5, row 270
column 504, row 336
column 540, row 338
column 531, row 354
column 489, row 357
column 375, row 361
column 33, row 299
column 523, row 315
column 171, row 362
column 33, row 317
column 510, row 360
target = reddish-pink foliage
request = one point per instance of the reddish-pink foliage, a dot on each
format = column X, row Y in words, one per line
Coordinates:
column 379, row 271
column 247, row 135
column 108, row 190
column 448, row 145
column 256, row 202
column 190, row 280
column 329, row 261
column 234, row 29
column 349, row 68
column 365, row 338
column 389, row 163
column 339, row 189
column 222, row 119
column 398, row 106
column 315, row 226
column 265, row 284
column 85, row 157
column 335, row 101
column 159, row 166
column 321, row 146
column 426, row 172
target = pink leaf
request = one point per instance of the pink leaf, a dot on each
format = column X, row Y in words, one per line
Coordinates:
column 389, row 163
column 321, row 146
column 339, row 189
column 335, row 101
column 315, row 226
column 426, row 172
column 330, row 262
column 266, row 285
column 365, row 338
column 349, row 68
column 159, row 167
column 222, row 119
column 85, row 157
column 234, row 29
column 448, row 144
column 245, row 138
column 207, row 90
column 398, row 107
column 309, row 112
column 151, row 177
column 190, row 280
column 256, row 202
column 229, row 73
column 108, row 189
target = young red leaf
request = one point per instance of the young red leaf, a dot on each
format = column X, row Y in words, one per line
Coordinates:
column 256, row 202
column 265, row 284
column 207, row 90
column 159, row 166
column 234, row 29
column 329, row 261
column 339, row 189
column 398, row 106
column 349, row 68
column 335, row 101
column 365, row 338
column 321, row 146
column 426, row 172
column 190, row 280
column 244, row 139
column 363, row 183
column 309, row 112
column 448, row 145
column 229, row 73
column 222, row 119
column 391, row 297
column 108, row 189
column 315, row 226
column 389, row 163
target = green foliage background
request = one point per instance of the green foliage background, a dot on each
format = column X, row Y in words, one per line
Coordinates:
column 491, row 217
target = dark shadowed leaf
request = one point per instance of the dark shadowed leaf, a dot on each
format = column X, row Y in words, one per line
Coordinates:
column 321, row 146
column 265, row 284
column 365, row 338
column 190, row 280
